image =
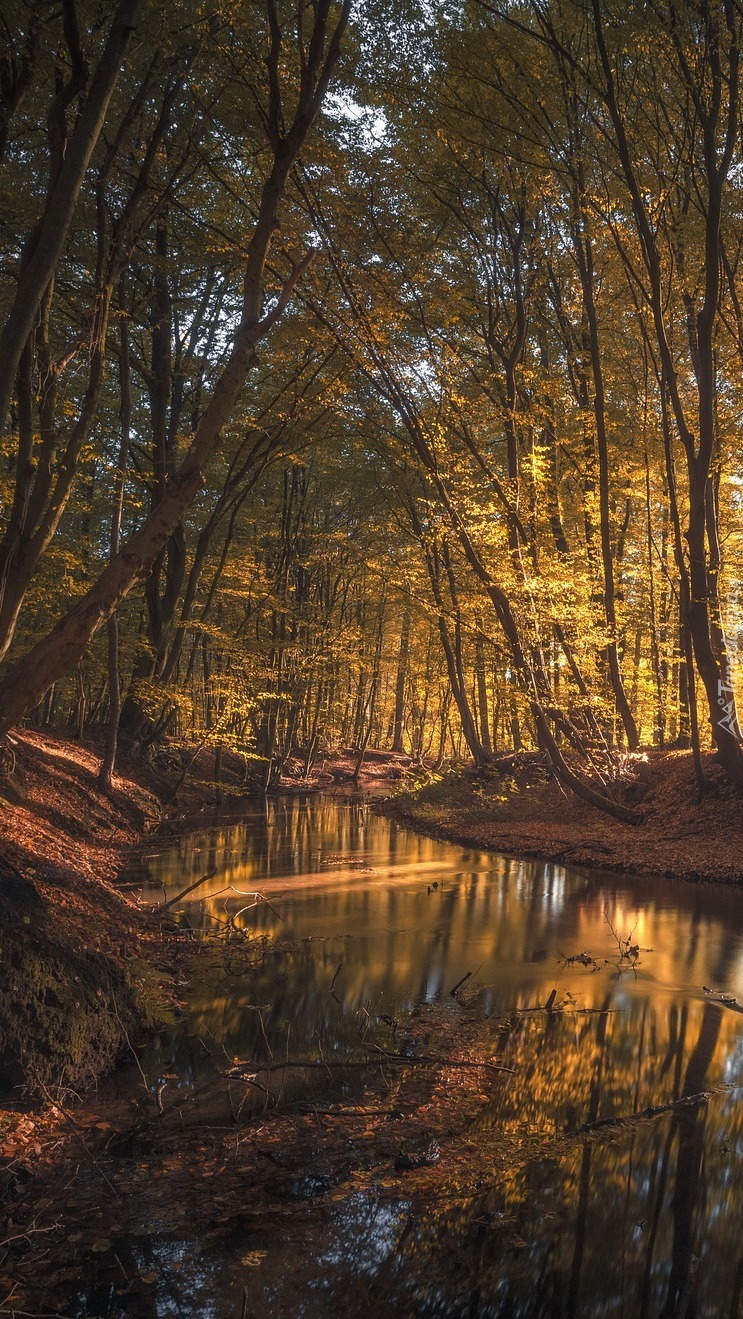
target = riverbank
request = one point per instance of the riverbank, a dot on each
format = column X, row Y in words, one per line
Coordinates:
column 81, row 968
column 518, row 810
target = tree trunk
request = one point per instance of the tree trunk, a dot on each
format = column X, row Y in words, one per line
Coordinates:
column 48, row 242
column 398, row 725
column 114, row 682
column 482, row 691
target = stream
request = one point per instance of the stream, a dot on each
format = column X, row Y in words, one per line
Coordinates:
column 365, row 923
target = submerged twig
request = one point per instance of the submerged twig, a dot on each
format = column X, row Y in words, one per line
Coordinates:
column 628, row 951
column 652, row 1110
column 453, row 991
column 29, row 1232
column 399, row 1059
column 78, row 1134
column 184, row 892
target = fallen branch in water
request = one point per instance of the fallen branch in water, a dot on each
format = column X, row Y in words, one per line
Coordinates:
column 248, row 1073
column 120, row 1138
column 463, row 981
column 399, row 1059
column 597, row 1012
column 30, row 1232
column 642, row 1114
column 184, row 893
column 246, row 893
column 429, row 1061
column 723, row 999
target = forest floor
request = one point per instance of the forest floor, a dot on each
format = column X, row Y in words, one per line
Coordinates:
column 517, row 809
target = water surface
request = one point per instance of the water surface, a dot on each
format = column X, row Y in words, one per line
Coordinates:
column 640, row 1221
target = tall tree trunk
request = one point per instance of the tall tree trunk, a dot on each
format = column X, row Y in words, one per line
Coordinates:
column 482, row 690
column 47, row 243
column 718, row 121
column 114, row 680
column 398, row 726
column 584, row 253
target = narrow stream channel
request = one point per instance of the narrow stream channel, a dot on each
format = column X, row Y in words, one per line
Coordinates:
column 642, row 1220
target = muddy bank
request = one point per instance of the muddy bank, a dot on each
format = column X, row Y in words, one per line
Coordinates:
column 81, row 970
column 519, row 810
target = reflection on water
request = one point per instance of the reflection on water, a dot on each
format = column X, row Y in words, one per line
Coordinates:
column 640, row 1221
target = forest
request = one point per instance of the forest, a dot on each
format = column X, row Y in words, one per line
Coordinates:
column 371, row 639
column 374, row 377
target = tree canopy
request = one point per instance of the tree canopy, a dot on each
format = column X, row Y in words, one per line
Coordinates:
column 372, row 375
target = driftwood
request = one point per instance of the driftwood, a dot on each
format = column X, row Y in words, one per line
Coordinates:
column 247, row 1071
column 642, row 1114
column 722, row 999
column 184, row 892
column 463, row 981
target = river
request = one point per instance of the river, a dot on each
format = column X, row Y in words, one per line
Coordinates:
column 364, row 923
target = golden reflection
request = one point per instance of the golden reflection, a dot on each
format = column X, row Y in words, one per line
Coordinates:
column 639, row 1214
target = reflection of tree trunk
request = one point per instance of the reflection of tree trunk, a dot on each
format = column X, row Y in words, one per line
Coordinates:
column 660, row 1195
column 735, row 1303
column 584, row 1184
column 725, row 957
column 690, row 1124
